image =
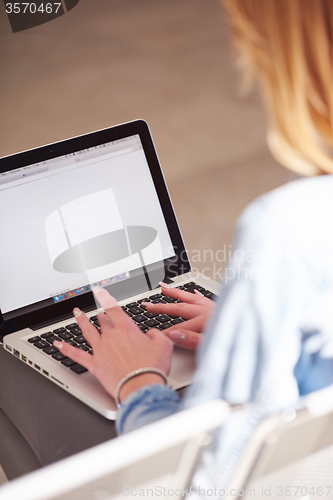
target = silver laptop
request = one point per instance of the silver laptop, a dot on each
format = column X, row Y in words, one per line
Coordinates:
column 91, row 210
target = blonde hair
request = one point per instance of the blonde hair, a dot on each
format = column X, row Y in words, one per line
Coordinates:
column 288, row 44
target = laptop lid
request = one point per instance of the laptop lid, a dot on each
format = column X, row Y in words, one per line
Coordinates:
column 89, row 210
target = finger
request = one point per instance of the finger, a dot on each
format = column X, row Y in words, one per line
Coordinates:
column 202, row 298
column 186, row 338
column 106, row 322
column 155, row 334
column 182, row 295
column 184, row 310
column 105, row 300
column 90, row 333
column 196, row 325
column 111, row 307
column 78, row 355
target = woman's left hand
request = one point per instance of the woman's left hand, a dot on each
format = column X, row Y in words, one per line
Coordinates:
column 120, row 348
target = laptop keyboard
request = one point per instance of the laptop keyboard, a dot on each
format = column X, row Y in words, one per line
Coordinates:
column 145, row 320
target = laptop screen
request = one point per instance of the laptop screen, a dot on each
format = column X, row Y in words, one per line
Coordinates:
column 97, row 214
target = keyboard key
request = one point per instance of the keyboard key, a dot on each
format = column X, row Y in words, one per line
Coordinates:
column 139, row 318
column 76, row 331
column 156, row 296
column 58, row 356
column 83, row 347
column 51, row 349
column 151, row 323
column 136, row 310
column 34, row 339
column 169, row 299
column 52, row 339
column 80, row 339
column 59, row 330
column 47, row 334
column 147, row 299
column 68, row 362
column 65, row 335
column 40, row 344
column 93, row 318
column 72, row 325
column 78, row 368
column 164, row 326
column 158, row 301
column 191, row 283
column 163, row 318
column 143, row 327
column 176, row 321
column 150, row 315
column 132, row 304
column 71, row 342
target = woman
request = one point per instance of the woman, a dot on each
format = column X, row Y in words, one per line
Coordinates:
column 271, row 336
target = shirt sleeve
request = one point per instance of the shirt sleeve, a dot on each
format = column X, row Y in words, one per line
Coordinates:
column 145, row 406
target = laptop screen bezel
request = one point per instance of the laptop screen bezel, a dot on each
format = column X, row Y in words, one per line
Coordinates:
column 174, row 266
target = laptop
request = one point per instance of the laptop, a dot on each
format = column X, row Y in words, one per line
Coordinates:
column 90, row 210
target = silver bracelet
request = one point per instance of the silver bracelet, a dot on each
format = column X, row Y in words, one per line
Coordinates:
column 133, row 374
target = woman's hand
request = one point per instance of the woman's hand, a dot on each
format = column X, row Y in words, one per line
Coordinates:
column 195, row 308
column 120, row 348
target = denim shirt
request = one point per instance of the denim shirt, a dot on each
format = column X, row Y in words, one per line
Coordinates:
column 270, row 339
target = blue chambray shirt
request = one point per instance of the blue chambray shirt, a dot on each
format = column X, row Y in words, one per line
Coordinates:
column 270, row 339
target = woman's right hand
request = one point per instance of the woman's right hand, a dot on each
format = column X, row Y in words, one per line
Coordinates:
column 194, row 308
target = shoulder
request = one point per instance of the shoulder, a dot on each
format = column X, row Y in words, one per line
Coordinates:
column 297, row 216
column 309, row 199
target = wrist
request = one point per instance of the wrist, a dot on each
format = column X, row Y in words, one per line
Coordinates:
column 138, row 382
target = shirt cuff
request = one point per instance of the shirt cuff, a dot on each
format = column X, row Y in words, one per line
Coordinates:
column 146, row 405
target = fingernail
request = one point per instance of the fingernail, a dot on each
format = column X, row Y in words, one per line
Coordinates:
column 77, row 312
column 104, row 298
column 58, row 344
column 163, row 285
column 176, row 336
column 145, row 303
column 198, row 293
